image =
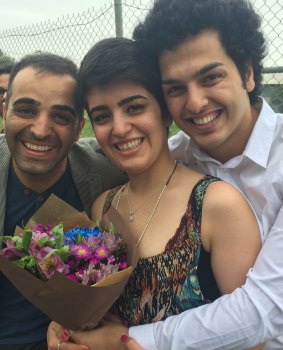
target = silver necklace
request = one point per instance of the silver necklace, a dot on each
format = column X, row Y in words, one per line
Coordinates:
column 131, row 214
column 155, row 206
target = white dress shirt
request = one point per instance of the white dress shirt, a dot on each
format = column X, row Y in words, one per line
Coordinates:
column 253, row 313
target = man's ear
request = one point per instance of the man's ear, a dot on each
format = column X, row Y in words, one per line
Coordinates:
column 80, row 128
column 249, row 77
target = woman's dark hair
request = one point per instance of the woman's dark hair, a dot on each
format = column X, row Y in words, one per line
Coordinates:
column 118, row 59
column 170, row 22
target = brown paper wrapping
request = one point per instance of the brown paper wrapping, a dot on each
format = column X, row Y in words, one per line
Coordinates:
column 69, row 303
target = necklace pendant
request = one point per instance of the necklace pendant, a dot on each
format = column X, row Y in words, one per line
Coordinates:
column 131, row 216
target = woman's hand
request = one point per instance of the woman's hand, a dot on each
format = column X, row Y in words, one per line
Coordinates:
column 130, row 343
column 58, row 338
column 105, row 337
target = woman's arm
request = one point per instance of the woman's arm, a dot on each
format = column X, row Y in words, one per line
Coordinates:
column 97, row 207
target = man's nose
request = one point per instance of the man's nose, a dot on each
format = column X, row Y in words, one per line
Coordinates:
column 196, row 99
column 42, row 125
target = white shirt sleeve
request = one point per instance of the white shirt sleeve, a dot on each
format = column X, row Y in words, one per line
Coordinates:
column 178, row 146
column 250, row 315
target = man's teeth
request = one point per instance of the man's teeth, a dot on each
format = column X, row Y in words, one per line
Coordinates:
column 205, row 120
column 37, row 147
column 129, row 145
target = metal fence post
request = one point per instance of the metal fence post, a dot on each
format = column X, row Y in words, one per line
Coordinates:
column 118, row 18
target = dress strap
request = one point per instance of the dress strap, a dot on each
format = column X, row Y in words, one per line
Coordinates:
column 109, row 198
column 197, row 196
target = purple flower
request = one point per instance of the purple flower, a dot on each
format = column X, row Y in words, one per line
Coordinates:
column 101, row 253
column 123, row 265
column 72, row 277
column 81, row 251
column 111, row 242
column 93, row 243
column 43, row 229
column 11, row 252
column 111, row 259
column 39, row 252
column 94, row 261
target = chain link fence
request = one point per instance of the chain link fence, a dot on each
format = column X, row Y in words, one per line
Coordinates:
column 73, row 35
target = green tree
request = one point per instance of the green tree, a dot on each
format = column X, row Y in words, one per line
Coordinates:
column 5, row 59
column 276, row 99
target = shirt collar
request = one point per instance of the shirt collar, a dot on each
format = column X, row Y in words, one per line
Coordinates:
column 260, row 141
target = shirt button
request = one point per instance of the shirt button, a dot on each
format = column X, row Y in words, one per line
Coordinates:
column 40, row 198
column 26, row 191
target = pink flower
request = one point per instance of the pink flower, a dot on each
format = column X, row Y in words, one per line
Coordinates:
column 123, row 265
column 101, row 253
column 43, row 229
column 50, row 265
column 81, row 251
column 106, row 270
column 93, row 243
column 111, row 242
column 11, row 252
column 94, row 261
column 111, row 259
column 39, row 253
column 72, row 277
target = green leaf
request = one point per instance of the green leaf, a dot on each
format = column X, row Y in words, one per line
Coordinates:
column 64, row 252
column 46, row 242
column 27, row 235
column 58, row 234
column 18, row 241
column 26, row 262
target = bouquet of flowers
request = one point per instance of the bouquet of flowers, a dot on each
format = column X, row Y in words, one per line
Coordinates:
column 70, row 268
column 84, row 255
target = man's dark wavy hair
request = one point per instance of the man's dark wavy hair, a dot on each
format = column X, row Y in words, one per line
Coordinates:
column 169, row 22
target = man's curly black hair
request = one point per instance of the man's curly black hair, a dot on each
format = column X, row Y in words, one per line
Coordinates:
column 169, row 22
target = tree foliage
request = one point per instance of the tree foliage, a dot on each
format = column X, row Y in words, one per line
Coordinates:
column 276, row 99
column 5, row 59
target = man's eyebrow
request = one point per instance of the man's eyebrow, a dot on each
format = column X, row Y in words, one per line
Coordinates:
column 120, row 103
column 26, row 100
column 64, row 108
column 198, row 73
column 207, row 68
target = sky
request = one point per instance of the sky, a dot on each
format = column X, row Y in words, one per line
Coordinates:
column 16, row 13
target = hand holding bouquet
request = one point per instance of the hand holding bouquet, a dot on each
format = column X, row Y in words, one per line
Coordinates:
column 75, row 276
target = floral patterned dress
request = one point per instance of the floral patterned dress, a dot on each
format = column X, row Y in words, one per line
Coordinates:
column 167, row 284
